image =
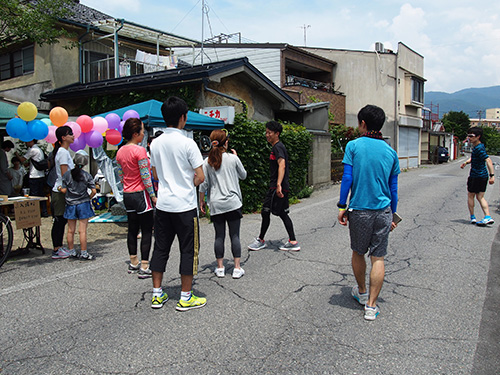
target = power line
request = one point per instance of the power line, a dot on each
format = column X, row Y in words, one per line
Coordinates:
column 187, row 14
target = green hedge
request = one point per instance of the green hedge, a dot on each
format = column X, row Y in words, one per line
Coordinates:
column 248, row 138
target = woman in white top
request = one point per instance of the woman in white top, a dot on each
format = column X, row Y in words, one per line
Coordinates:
column 64, row 163
column 222, row 174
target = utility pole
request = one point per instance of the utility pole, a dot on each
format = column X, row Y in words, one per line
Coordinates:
column 305, row 27
column 202, row 28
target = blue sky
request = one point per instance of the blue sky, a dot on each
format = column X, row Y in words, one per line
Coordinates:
column 460, row 40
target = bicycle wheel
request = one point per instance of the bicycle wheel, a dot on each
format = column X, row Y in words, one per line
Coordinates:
column 6, row 238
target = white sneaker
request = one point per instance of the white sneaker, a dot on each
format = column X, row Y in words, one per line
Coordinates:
column 238, row 272
column 371, row 312
column 220, row 272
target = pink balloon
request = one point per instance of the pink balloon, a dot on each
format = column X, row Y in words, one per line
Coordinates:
column 51, row 137
column 130, row 114
column 93, row 138
column 77, row 131
column 113, row 120
column 78, row 144
column 85, row 123
column 113, row 137
column 100, row 125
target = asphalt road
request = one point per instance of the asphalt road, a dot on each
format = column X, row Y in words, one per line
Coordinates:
column 291, row 313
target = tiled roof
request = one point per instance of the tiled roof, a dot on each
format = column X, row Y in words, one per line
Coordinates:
column 165, row 78
column 84, row 14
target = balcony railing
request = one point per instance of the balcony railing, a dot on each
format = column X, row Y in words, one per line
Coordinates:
column 105, row 69
column 292, row 80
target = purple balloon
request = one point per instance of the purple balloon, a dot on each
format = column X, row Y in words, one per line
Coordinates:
column 93, row 139
column 78, row 144
column 130, row 114
column 120, row 126
column 113, row 120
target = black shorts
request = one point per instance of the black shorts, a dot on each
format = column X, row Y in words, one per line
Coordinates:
column 276, row 205
column 477, row 184
column 227, row 216
column 185, row 226
column 137, row 201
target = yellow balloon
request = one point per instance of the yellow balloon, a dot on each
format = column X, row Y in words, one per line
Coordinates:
column 27, row 111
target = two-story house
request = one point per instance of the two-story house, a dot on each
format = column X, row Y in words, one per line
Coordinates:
column 392, row 80
column 103, row 48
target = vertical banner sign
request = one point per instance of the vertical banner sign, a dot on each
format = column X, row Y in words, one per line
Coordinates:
column 27, row 214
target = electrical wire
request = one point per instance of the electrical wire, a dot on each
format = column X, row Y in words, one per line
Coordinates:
column 183, row 18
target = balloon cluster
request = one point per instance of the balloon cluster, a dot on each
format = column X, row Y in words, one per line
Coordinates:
column 87, row 131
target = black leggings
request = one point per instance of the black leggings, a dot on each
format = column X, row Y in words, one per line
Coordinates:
column 57, row 232
column 144, row 222
column 234, row 236
column 266, row 220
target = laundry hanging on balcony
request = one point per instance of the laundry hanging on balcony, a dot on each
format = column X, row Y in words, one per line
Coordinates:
column 153, row 63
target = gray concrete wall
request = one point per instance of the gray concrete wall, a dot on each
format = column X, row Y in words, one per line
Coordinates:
column 320, row 162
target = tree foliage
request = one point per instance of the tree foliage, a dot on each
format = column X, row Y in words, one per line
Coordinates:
column 35, row 21
column 457, row 123
column 491, row 140
column 341, row 134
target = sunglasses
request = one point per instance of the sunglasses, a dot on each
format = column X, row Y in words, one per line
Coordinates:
column 70, row 133
column 471, row 135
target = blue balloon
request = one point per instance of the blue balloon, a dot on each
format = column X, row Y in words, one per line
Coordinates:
column 26, row 136
column 38, row 129
column 15, row 127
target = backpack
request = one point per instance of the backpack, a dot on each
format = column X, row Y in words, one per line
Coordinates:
column 45, row 164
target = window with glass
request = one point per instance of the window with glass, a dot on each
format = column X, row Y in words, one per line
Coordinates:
column 417, row 90
column 17, row 63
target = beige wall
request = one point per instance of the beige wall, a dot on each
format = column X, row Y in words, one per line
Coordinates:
column 364, row 77
column 493, row 113
column 55, row 66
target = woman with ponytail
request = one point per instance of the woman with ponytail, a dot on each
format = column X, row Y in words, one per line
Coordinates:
column 75, row 185
column 63, row 163
column 222, row 174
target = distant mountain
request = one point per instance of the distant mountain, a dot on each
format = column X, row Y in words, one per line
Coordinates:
column 468, row 100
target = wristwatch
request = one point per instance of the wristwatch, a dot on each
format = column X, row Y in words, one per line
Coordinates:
column 492, row 175
column 339, row 205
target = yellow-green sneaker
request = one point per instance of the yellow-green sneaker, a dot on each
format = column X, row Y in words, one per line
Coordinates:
column 193, row 303
column 157, row 302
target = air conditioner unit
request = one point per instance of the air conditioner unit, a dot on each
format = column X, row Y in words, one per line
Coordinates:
column 379, row 47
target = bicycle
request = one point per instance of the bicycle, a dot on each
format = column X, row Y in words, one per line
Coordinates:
column 6, row 238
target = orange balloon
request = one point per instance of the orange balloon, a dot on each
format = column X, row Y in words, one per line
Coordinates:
column 58, row 116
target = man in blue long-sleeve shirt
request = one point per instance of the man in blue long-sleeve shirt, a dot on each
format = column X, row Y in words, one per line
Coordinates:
column 371, row 169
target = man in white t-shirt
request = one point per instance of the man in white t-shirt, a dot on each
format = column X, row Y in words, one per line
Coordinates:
column 36, row 177
column 177, row 165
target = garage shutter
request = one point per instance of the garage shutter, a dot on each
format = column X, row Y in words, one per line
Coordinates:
column 409, row 140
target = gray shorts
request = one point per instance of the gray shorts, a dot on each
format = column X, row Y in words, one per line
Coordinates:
column 369, row 231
